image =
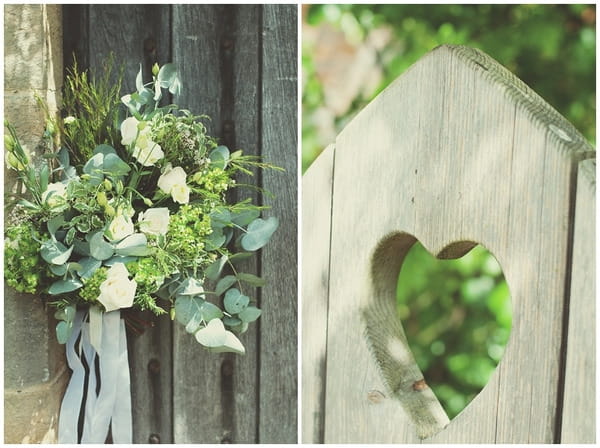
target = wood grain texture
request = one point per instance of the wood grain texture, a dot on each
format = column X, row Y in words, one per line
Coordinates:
column 122, row 30
column 460, row 152
column 278, row 363
column 579, row 411
column 317, row 185
column 200, row 377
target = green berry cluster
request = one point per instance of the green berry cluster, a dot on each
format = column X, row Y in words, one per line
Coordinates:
column 22, row 258
column 188, row 229
column 91, row 289
column 215, row 180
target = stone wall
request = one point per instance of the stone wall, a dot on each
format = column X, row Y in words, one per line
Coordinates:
column 35, row 372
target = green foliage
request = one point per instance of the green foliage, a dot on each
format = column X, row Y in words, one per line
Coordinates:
column 457, row 318
column 93, row 105
column 550, row 47
column 91, row 288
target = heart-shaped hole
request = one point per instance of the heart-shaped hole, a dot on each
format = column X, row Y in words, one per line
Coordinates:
column 457, row 316
column 457, row 321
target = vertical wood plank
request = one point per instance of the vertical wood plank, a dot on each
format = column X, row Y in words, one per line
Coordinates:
column 244, row 116
column 197, row 403
column 126, row 31
column 579, row 410
column 317, row 184
column 278, row 365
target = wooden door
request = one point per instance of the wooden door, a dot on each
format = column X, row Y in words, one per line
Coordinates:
column 238, row 65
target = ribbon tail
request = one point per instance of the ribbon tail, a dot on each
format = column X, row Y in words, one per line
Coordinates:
column 91, row 396
column 121, row 418
column 71, row 403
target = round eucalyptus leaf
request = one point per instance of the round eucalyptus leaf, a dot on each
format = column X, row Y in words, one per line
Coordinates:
column 63, row 286
column 218, row 339
column 63, row 332
column 55, row 252
column 250, row 314
column 224, row 284
column 100, row 249
column 235, row 301
column 214, row 270
column 259, row 232
column 219, row 157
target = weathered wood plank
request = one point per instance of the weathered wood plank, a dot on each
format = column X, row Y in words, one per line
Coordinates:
column 245, row 37
column 579, row 410
column 198, row 414
column 278, row 383
column 461, row 151
column 317, row 185
column 126, row 31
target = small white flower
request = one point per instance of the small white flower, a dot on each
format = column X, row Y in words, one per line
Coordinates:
column 154, row 221
column 55, row 194
column 117, row 291
column 120, row 227
column 173, row 182
column 129, row 130
column 146, row 151
column 68, row 120
column 180, row 193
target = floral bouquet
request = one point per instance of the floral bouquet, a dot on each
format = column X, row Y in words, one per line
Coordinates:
column 127, row 208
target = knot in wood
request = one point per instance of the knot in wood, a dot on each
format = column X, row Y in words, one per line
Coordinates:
column 419, row 385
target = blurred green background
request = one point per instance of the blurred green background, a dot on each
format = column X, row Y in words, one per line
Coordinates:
column 351, row 52
column 456, row 313
column 457, row 318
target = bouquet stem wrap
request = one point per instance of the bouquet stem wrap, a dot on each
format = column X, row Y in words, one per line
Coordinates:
column 111, row 405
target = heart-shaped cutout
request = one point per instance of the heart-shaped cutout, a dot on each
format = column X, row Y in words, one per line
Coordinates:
column 454, row 370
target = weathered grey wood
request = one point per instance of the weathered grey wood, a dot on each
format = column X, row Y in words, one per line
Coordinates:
column 460, row 152
column 278, row 364
column 317, row 185
column 198, row 408
column 123, row 30
column 579, row 411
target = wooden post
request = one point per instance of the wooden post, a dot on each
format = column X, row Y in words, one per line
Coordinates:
column 456, row 152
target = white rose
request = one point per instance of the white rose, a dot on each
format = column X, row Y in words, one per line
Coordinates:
column 117, row 291
column 129, row 130
column 172, row 182
column 55, row 194
column 120, row 227
column 154, row 221
column 180, row 193
column 146, row 151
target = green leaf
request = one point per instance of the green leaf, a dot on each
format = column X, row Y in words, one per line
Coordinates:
column 235, row 301
column 63, row 157
column 251, row 279
column 99, row 247
column 44, row 176
column 215, row 240
column 55, row 252
column 59, row 270
column 55, row 223
column 245, row 217
column 231, row 321
column 188, row 308
column 63, row 286
column 219, row 157
column 63, row 332
column 70, row 236
column 115, row 166
column 224, row 284
column 217, row 339
column 88, row 267
column 139, row 80
column 135, row 244
column 104, row 150
column 219, row 218
column 240, row 256
column 214, row 270
column 259, row 232
column 190, row 287
column 94, row 167
column 250, row 314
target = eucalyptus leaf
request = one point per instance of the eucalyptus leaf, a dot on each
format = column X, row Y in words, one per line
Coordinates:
column 119, row 259
column 55, row 223
column 139, row 80
column 63, row 286
column 240, row 256
column 115, row 166
column 259, row 232
column 231, row 321
column 215, row 240
column 218, row 339
column 251, row 279
column 88, row 267
column 166, row 75
column 214, row 270
column 63, row 332
column 235, row 301
column 63, row 158
column 59, row 270
column 99, row 247
column 220, row 217
column 224, row 284
column 94, row 167
column 219, row 157
column 250, row 314
column 44, row 176
column 190, row 287
column 245, row 217
column 55, row 252
column 104, row 150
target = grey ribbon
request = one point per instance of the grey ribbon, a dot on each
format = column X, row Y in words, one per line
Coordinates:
column 112, row 405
